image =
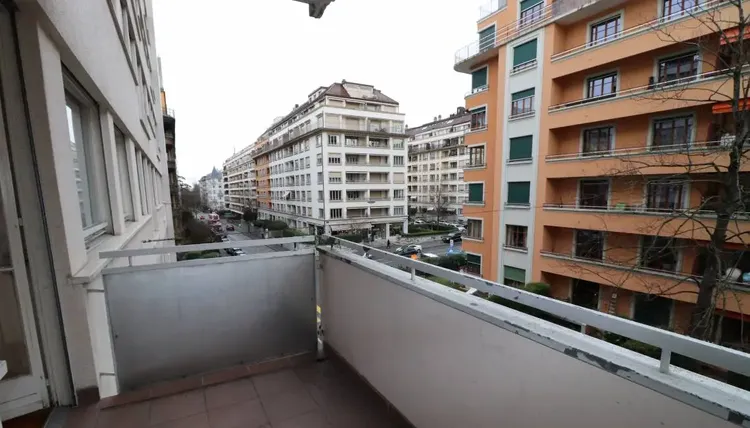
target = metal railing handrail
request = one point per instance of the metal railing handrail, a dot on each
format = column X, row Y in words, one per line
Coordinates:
column 739, row 286
column 702, row 146
column 669, row 342
column 644, row 27
column 202, row 247
column 491, row 7
column 665, row 85
column 639, row 209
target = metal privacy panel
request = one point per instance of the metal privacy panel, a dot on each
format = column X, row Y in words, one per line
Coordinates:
column 174, row 321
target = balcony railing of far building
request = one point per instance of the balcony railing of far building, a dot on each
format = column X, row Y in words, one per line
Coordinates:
column 655, row 84
column 426, row 147
column 296, row 133
column 539, row 15
column 167, row 112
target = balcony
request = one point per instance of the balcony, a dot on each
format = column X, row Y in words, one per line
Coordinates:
column 474, row 364
column 644, row 160
column 678, row 286
column 651, row 98
column 491, row 7
column 682, row 26
column 641, row 219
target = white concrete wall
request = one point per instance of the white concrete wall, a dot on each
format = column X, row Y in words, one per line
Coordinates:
column 443, row 366
column 83, row 38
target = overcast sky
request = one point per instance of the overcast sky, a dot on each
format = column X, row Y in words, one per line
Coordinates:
column 231, row 66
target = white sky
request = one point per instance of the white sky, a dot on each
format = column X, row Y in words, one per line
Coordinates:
column 231, row 66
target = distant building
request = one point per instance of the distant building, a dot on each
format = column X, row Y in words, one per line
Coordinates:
column 437, row 158
column 337, row 162
column 240, row 185
column 212, row 190
column 169, row 138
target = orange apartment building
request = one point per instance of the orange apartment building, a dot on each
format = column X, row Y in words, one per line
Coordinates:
column 263, row 175
column 586, row 117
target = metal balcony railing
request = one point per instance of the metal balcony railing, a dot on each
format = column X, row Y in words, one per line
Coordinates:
column 645, row 27
column 625, row 208
column 653, row 85
column 491, row 7
column 694, row 147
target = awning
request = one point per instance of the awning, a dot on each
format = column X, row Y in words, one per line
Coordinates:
column 354, row 226
column 731, row 35
column 726, row 107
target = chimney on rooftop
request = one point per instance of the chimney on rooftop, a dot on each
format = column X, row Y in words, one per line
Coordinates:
column 440, row 117
column 460, row 111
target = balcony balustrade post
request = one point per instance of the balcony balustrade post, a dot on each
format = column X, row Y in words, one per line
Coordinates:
column 666, row 356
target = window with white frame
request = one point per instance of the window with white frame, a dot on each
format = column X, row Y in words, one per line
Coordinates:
column 333, row 140
column 337, row 212
column 398, row 160
column 124, row 173
column 141, row 182
column 474, row 229
column 88, row 163
column 398, row 210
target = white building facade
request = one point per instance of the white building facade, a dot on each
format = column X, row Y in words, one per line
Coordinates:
column 212, row 190
column 84, row 170
column 338, row 162
column 437, row 157
column 240, row 187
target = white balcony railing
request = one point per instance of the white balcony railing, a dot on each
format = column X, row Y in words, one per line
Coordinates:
column 491, row 7
column 691, row 148
column 205, row 315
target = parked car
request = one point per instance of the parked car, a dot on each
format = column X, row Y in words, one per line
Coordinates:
column 408, row 250
column 455, row 236
column 224, row 239
column 230, row 227
column 238, row 252
column 419, row 221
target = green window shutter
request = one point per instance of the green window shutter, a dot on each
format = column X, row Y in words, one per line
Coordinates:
column 473, row 258
column 518, row 192
column 515, row 274
column 522, row 94
column 487, row 38
column 524, row 53
column 479, row 78
column 476, row 192
column 520, row 147
column 527, row 4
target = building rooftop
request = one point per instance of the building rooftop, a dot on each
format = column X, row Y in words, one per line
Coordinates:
column 461, row 116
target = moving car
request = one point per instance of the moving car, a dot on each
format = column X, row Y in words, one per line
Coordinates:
column 455, row 236
column 230, row 227
column 224, row 239
column 408, row 250
column 238, row 252
column 429, row 256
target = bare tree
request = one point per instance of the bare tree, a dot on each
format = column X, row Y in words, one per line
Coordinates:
column 716, row 224
column 438, row 199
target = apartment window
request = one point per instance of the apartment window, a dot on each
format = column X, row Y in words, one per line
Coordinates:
column 652, row 310
column 335, row 195
column 665, row 195
column 518, row 192
column 318, row 140
column 476, row 193
column 319, row 159
column 473, row 264
column 678, row 7
column 141, row 182
column 398, row 161
column 593, row 193
column 354, row 195
column 398, row 210
column 334, row 177
column 604, row 31
column 589, row 244
column 520, row 148
column 487, row 38
column 514, row 277
column 585, row 294
column 479, row 80
column 476, row 156
column 333, row 140
column 660, row 253
column 522, row 102
column 124, row 173
column 598, row 140
column 308, row 181
column 531, row 11
column 334, row 159
column 602, row 86
column 479, row 118
column 320, row 178
column 321, row 213
column 307, row 162
column 320, row 195
column 680, row 67
column 88, row 164
column 337, row 212
column 398, row 194
column 474, row 229
column 673, row 132
column 524, row 56
column 515, row 236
